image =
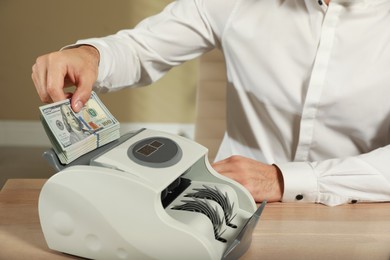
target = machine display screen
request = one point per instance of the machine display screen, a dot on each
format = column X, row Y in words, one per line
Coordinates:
column 150, row 148
column 155, row 152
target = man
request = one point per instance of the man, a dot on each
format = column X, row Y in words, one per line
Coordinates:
column 308, row 86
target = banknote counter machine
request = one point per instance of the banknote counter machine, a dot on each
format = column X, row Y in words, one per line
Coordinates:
column 148, row 195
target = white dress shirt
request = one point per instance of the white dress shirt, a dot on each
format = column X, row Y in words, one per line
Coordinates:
column 308, row 85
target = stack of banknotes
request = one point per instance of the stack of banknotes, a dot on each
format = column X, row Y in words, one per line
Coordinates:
column 75, row 134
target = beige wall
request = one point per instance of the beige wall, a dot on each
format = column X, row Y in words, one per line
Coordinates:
column 31, row 28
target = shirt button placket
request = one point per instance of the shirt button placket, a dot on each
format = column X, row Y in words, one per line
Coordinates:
column 317, row 82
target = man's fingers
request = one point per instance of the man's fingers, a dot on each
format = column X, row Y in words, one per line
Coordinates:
column 56, row 73
column 233, row 164
column 39, row 78
column 219, row 166
column 82, row 92
column 53, row 72
column 48, row 78
column 87, row 77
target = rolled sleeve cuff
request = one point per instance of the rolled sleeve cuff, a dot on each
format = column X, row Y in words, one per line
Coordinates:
column 300, row 182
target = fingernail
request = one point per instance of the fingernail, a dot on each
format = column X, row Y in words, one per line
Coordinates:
column 78, row 106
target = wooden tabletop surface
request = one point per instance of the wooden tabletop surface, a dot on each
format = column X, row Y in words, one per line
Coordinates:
column 285, row 231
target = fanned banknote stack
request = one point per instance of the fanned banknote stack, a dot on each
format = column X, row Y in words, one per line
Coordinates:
column 75, row 134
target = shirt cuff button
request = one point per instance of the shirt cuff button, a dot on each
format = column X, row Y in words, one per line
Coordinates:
column 299, row 197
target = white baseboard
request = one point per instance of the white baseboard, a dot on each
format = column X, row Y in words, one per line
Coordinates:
column 31, row 133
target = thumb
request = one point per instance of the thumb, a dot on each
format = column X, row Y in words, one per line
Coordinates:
column 81, row 96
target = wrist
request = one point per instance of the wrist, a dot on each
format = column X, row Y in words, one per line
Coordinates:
column 91, row 51
column 279, row 182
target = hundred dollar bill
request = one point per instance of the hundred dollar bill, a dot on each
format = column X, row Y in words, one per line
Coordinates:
column 74, row 134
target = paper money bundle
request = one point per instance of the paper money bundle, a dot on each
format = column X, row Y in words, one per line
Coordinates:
column 74, row 134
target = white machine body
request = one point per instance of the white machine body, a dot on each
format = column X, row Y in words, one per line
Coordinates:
column 152, row 196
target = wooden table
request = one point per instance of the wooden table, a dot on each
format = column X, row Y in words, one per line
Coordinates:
column 285, row 231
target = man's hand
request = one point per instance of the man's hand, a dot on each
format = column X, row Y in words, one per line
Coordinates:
column 263, row 181
column 53, row 72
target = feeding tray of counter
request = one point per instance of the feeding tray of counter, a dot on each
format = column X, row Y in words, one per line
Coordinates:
column 147, row 195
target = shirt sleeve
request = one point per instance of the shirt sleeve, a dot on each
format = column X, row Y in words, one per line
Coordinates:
column 184, row 30
column 363, row 178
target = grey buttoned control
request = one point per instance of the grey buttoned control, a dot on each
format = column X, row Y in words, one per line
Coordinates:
column 156, row 152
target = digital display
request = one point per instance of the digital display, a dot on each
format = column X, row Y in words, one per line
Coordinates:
column 156, row 144
column 150, row 148
column 146, row 150
column 156, row 152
